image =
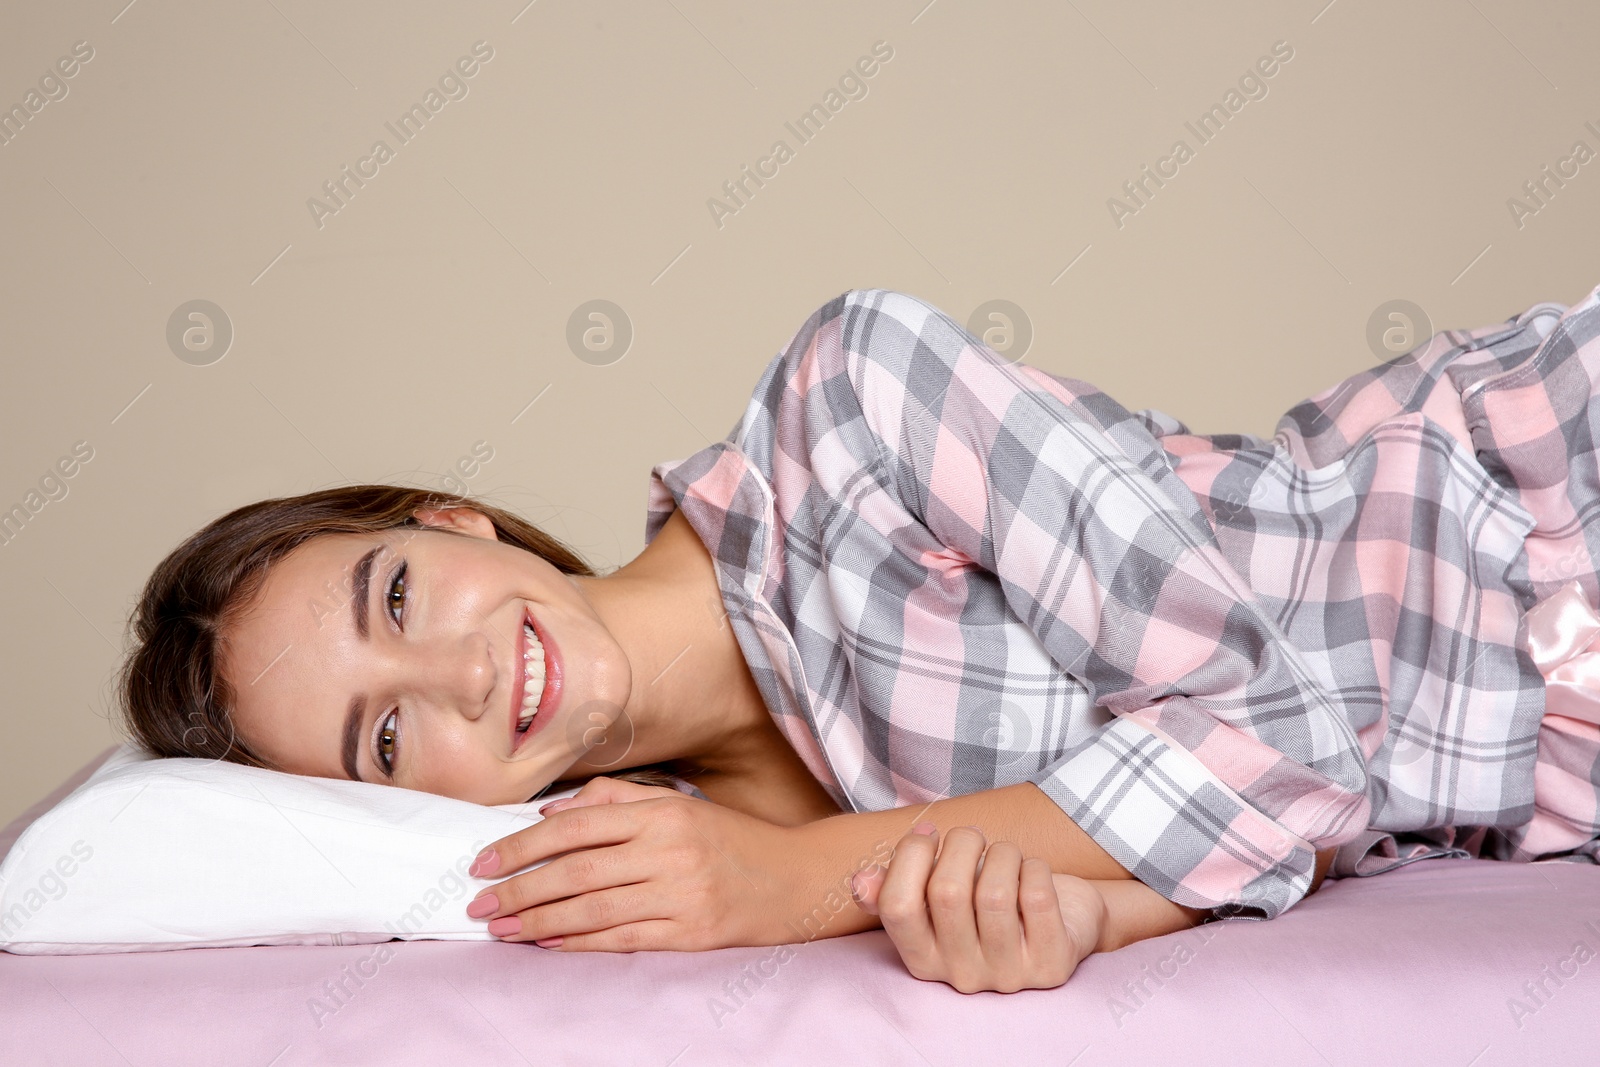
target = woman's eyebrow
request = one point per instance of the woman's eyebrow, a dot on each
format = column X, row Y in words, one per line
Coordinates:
column 358, row 595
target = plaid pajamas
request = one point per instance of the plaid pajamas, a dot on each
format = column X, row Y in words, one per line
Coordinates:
column 1217, row 654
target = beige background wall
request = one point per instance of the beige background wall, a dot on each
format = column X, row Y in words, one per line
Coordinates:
column 384, row 341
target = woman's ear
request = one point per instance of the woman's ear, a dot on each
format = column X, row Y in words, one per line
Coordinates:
column 459, row 519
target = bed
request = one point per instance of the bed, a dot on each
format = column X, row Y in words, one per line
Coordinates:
column 1441, row 961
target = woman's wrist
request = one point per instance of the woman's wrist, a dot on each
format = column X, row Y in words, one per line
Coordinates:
column 826, row 855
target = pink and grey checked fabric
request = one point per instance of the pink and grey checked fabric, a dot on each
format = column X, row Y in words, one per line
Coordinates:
column 1218, row 654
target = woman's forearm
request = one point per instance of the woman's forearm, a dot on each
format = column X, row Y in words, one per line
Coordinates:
column 829, row 851
column 1134, row 912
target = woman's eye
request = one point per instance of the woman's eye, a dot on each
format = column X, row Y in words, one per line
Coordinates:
column 398, row 582
column 388, row 737
column 389, row 734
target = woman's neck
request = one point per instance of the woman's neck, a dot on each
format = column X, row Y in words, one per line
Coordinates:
column 692, row 697
column 694, row 701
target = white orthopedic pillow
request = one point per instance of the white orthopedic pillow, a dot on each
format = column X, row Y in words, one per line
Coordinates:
column 151, row 854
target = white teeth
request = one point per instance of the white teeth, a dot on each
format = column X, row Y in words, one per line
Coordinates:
column 533, row 689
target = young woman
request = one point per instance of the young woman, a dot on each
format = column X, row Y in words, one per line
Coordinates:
column 1140, row 677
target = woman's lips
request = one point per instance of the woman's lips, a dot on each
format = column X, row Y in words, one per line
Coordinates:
column 549, row 698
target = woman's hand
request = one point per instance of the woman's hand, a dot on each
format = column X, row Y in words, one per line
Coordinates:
column 981, row 918
column 639, row 867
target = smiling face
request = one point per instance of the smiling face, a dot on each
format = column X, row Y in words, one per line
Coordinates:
column 430, row 659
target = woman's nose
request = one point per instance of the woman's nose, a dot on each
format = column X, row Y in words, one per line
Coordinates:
column 455, row 675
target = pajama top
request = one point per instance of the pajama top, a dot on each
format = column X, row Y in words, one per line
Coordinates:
column 950, row 573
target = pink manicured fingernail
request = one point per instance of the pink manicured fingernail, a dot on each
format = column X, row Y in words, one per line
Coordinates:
column 487, row 863
column 506, row 924
column 487, row 904
column 550, row 942
column 924, row 827
column 553, row 806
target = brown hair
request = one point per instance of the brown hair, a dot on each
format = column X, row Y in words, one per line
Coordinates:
column 171, row 693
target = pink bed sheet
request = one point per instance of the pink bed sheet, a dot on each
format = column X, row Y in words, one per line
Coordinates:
column 1444, row 961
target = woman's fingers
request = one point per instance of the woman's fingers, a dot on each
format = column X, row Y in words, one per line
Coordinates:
column 709, row 876
column 533, row 843
column 996, row 899
column 561, row 831
column 950, row 893
column 607, row 791
column 1043, row 931
column 865, row 885
column 978, row 916
column 589, row 913
column 902, row 899
column 651, row 934
column 569, row 875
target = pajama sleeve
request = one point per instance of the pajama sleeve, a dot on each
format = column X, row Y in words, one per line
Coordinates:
column 1226, row 765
